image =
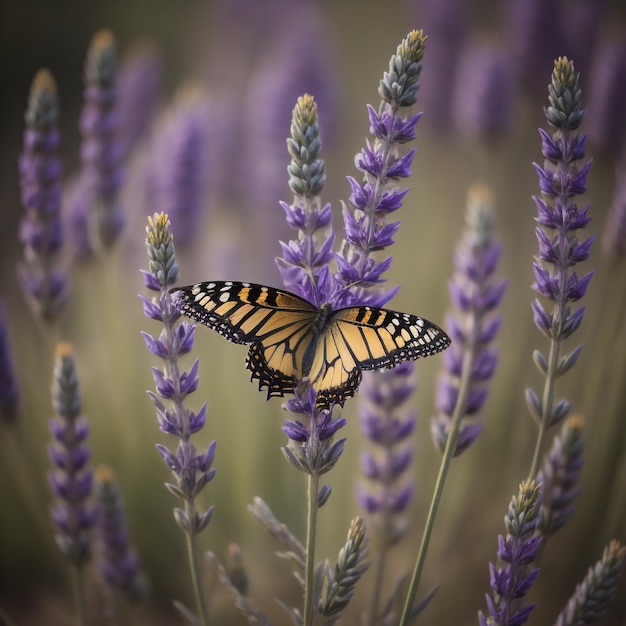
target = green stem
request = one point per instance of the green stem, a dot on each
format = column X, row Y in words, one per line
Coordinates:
column 311, row 529
column 546, row 406
column 78, row 585
column 453, row 435
column 194, row 566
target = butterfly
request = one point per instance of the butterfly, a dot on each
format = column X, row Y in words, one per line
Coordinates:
column 293, row 341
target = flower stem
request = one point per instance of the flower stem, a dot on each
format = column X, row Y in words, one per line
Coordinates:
column 309, row 584
column 448, row 454
column 78, row 584
column 546, row 406
column 192, row 554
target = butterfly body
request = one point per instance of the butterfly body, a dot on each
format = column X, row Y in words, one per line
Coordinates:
column 293, row 341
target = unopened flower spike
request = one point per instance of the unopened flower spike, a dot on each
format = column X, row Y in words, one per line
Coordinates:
column 591, row 598
column 559, row 477
column 42, row 273
column 471, row 360
column 71, row 478
column 118, row 561
column 98, row 219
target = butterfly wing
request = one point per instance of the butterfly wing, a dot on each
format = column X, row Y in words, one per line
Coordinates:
column 367, row 338
column 277, row 323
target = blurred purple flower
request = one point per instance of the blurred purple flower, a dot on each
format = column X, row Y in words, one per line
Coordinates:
column 559, row 477
column 9, row 395
column 606, row 123
column 387, row 422
column 475, row 294
column 296, row 64
column 118, row 561
column 511, row 578
column 178, row 164
column 446, row 22
column 43, row 278
column 484, row 99
column 71, row 478
column 97, row 218
column 139, row 85
column 614, row 238
column 534, row 31
column 561, row 179
column 192, row 469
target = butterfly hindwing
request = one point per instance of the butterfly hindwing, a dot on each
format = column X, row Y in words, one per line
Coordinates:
column 366, row 338
column 277, row 324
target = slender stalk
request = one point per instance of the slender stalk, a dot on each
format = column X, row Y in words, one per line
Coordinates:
column 546, row 406
column 453, row 435
column 196, row 578
column 78, row 585
column 311, row 530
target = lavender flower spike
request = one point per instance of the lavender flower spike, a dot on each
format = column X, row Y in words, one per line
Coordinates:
column 376, row 196
column 71, row 478
column 510, row 579
column 559, row 477
column 561, row 179
column 42, row 276
column 304, row 267
column 589, row 602
column 118, row 561
column 99, row 219
column 475, row 292
column 192, row 470
column 179, row 163
column 388, row 423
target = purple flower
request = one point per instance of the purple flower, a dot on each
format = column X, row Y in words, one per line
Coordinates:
column 484, row 99
column 590, row 601
column 561, row 179
column 97, row 219
column 607, row 97
column 178, row 164
column 511, row 577
column 359, row 277
column 139, row 84
column 471, row 361
column 9, row 396
column 304, row 264
column 559, row 477
column 71, row 477
column 192, row 469
column 118, row 561
column 388, row 422
column 614, row 238
column 42, row 276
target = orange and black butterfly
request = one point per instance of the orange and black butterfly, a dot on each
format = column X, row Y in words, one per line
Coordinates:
column 291, row 340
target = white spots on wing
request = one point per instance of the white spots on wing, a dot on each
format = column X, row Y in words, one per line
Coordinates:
column 405, row 334
column 225, row 296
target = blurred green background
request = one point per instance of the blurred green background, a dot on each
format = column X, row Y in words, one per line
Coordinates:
column 230, row 47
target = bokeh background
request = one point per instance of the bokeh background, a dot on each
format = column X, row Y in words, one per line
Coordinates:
column 485, row 75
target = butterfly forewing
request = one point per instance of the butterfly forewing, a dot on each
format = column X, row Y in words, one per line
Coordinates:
column 277, row 324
